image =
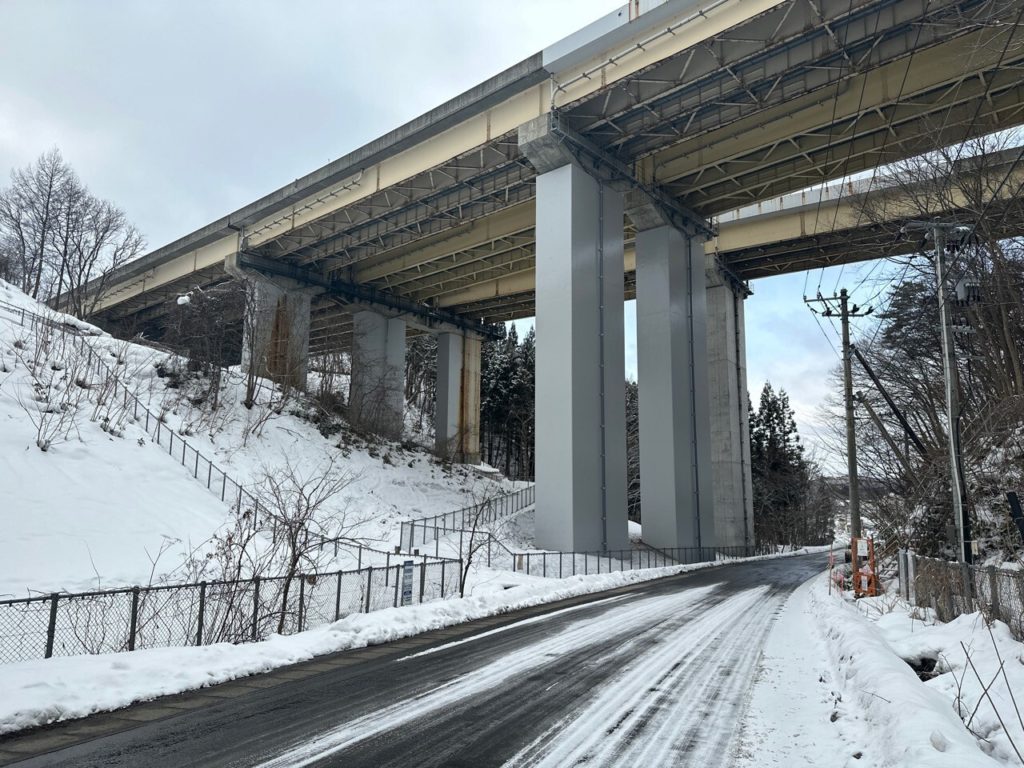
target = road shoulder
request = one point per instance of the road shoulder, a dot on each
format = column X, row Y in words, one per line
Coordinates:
column 789, row 714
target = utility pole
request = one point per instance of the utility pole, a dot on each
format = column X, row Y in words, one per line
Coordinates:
column 938, row 232
column 845, row 312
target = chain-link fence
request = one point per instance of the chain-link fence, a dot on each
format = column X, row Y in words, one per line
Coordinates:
column 953, row 589
column 211, row 612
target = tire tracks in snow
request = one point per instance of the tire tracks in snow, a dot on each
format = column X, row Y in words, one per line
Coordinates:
column 700, row 672
column 579, row 650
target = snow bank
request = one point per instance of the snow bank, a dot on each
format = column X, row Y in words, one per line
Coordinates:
column 881, row 703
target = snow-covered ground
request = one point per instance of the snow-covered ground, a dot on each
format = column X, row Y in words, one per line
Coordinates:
column 108, row 507
column 835, row 688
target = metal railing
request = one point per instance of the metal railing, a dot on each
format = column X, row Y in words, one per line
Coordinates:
column 952, row 589
column 480, row 545
column 209, row 612
column 563, row 564
column 416, row 533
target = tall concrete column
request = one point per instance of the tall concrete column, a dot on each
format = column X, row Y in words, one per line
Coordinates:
column 457, row 404
column 377, row 388
column 730, row 426
column 675, row 425
column 276, row 329
column 580, row 390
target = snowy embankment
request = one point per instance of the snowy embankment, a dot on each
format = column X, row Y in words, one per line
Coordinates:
column 836, row 687
column 50, row 690
column 106, row 507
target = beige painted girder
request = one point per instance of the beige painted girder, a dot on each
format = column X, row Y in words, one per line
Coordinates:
column 170, row 271
column 932, row 68
column 510, row 221
column 488, row 260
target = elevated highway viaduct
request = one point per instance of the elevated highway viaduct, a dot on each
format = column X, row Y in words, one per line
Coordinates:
column 519, row 197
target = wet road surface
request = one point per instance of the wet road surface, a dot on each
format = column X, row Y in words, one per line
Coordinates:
column 654, row 674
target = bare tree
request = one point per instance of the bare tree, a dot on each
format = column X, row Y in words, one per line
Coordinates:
column 300, row 508
column 59, row 240
column 971, row 184
column 28, row 216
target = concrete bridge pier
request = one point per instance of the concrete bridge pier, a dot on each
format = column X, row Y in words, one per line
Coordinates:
column 457, row 398
column 377, row 387
column 580, row 396
column 730, row 425
column 672, row 357
column 275, row 335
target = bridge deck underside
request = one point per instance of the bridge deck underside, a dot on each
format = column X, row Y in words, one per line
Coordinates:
column 799, row 95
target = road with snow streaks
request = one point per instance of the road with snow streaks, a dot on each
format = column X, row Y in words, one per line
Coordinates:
column 656, row 674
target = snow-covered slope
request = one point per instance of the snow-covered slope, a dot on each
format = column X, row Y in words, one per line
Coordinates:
column 105, row 506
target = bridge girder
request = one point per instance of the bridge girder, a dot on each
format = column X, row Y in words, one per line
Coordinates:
column 770, row 100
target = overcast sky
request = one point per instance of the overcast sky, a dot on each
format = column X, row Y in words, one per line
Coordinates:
column 181, row 111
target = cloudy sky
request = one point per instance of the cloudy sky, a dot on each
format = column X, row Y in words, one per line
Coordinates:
column 181, row 111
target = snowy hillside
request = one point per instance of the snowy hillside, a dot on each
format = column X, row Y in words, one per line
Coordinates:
column 104, row 505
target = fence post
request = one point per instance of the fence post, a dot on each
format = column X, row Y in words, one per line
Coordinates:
column 51, row 628
column 993, row 589
column 912, row 576
column 369, row 582
column 965, row 575
column 398, row 580
column 202, row 612
column 443, row 563
column 423, row 579
column 135, row 619
column 255, row 608
column 337, row 596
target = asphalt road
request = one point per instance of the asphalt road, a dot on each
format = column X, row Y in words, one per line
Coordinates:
column 651, row 675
